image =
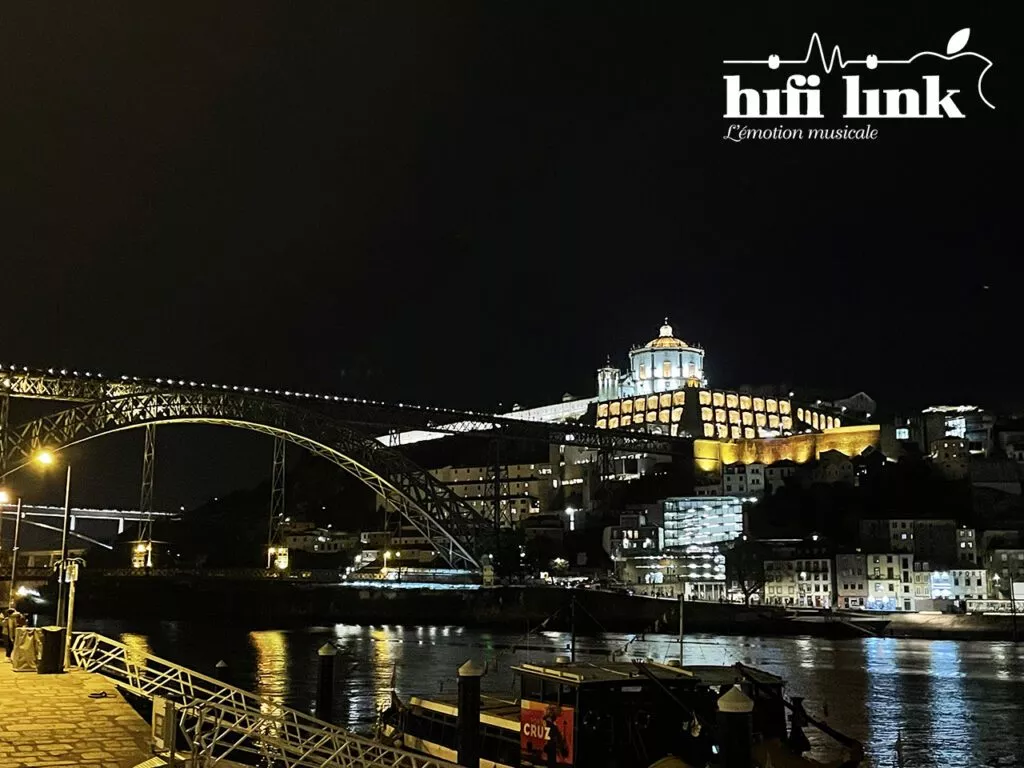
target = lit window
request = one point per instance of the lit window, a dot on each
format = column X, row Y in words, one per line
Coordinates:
column 902, row 433
column 643, row 371
column 666, row 369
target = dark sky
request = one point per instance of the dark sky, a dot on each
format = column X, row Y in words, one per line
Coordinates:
column 474, row 203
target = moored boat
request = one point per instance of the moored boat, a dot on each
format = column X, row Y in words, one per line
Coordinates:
column 622, row 714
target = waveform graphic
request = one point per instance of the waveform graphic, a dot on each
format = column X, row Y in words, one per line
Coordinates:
column 954, row 50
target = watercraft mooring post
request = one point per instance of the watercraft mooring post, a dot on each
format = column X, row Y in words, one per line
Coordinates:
column 736, row 729
column 325, row 683
column 468, row 726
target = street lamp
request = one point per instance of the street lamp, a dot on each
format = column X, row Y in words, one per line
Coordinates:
column 46, row 458
column 384, row 570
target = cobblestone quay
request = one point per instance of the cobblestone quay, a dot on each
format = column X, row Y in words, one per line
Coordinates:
column 51, row 720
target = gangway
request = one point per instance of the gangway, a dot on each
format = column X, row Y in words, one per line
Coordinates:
column 225, row 725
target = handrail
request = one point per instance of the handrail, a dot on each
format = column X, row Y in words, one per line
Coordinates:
column 855, row 746
column 219, row 720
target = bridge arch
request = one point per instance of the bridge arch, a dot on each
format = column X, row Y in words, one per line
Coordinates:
column 452, row 526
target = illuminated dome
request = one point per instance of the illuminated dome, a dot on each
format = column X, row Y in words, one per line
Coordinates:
column 664, row 364
column 666, row 340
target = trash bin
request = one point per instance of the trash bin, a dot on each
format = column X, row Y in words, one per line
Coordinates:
column 51, row 656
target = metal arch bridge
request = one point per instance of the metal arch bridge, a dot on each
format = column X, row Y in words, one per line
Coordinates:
column 372, row 415
column 437, row 513
column 320, row 423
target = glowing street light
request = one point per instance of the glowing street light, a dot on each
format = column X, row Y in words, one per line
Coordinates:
column 44, row 457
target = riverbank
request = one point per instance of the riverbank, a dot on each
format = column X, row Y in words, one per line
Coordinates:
column 272, row 603
column 71, row 719
column 277, row 603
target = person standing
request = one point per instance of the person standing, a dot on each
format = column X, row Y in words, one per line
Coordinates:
column 11, row 625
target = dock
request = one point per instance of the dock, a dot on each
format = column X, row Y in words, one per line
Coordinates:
column 76, row 718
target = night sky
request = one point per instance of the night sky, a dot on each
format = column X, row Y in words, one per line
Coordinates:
column 469, row 204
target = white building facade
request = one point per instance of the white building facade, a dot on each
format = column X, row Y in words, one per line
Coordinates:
column 664, row 364
column 890, row 582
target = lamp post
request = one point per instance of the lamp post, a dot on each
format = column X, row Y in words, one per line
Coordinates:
column 14, row 554
column 62, row 565
column 384, row 570
column 45, row 458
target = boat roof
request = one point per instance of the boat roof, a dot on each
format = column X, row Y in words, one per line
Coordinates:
column 582, row 673
column 494, row 710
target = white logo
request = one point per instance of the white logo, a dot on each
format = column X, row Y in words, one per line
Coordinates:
column 801, row 98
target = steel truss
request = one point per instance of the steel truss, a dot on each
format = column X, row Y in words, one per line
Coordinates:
column 221, row 722
column 384, row 418
column 276, row 524
column 454, row 528
column 146, row 496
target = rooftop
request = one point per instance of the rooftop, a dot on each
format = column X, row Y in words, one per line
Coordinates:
column 591, row 672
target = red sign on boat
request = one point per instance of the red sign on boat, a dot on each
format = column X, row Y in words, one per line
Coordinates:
column 545, row 729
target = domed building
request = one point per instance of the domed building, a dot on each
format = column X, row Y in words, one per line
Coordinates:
column 664, row 364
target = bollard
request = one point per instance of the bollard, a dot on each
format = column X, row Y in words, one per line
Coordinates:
column 797, row 740
column 468, row 725
column 736, row 729
column 222, row 672
column 325, row 686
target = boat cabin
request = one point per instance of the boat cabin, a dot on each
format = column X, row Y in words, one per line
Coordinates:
column 615, row 714
column 625, row 714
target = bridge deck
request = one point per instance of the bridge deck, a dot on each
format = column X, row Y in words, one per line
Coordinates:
column 50, row 720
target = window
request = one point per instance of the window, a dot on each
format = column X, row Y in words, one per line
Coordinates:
column 902, row 433
column 666, row 370
column 643, row 371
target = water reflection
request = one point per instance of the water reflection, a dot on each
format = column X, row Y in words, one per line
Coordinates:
column 952, row 703
column 138, row 647
column 950, row 719
column 272, row 681
column 884, row 703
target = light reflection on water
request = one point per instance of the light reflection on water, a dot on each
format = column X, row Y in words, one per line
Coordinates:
column 953, row 704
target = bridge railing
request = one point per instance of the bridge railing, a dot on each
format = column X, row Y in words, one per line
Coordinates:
column 317, row 575
column 222, row 722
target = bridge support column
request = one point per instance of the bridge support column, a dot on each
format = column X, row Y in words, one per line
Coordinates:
column 274, row 527
column 142, row 553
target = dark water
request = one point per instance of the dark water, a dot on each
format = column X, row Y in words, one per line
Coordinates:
column 955, row 703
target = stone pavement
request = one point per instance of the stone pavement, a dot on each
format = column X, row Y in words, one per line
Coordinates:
column 49, row 720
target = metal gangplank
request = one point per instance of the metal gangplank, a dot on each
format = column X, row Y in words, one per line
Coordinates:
column 224, row 725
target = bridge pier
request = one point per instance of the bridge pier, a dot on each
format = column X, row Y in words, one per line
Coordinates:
column 274, row 537
column 142, row 553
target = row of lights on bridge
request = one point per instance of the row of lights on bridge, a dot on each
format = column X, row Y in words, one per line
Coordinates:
column 235, row 388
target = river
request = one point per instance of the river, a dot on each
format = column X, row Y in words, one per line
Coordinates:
column 953, row 703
